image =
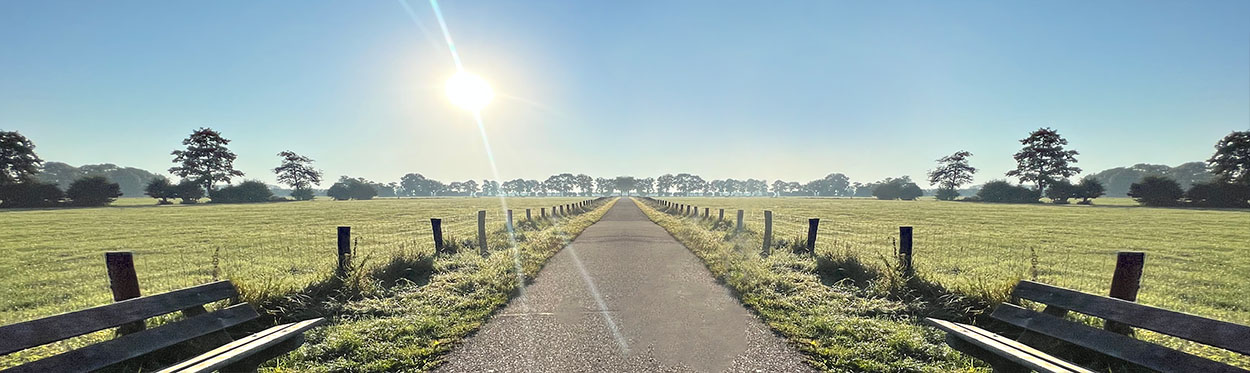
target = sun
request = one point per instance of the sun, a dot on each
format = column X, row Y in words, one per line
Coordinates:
column 468, row 91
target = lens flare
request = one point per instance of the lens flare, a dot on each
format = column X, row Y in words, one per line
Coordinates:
column 468, row 91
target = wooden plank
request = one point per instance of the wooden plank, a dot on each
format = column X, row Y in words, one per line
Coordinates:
column 1016, row 352
column 129, row 346
column 242, row 348
column 50, row 329
column 1199, row 329
column 1121, row 347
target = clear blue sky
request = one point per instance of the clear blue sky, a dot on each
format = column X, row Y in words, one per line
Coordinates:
column 789, row 90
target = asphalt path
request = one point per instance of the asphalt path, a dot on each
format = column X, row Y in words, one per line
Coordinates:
column 624, row 296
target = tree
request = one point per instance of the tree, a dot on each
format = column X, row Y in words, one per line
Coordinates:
column 779, row 188
column 910, row 192
column 900, row 188
column 18, row 162
column 1219, row 194
column 1156, row 191
column 470, row 187
column 687, row 183
column 604, row 186
column 249, row 191
column 562, row 183
column 953, row 171
column 160, row 188
column 1061, row 190
column 1231, row 162
column 189, row 191
column 1043, row 159
column 296, row 171
column 585, row 184
column 206, row 159
column 625, row 184
column 835, row 184
column 416, row 185
column 645, row 186
column 352, row 188
column 1088, row 189
column 664, row 183
column 1002, row 191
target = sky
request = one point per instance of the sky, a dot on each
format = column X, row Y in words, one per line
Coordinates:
column 790, row 90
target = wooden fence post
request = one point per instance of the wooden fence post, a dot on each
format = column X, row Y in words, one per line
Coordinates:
column 768, row 232
column 345, row 248
column 813, row 225
column 509, row 226
column 705, row 212
column 904, row 250
column 124, row 282
column 739, row 229
column 542, row 212
column 528, row 217
column 481, row 232
column 720, row 216
column 1125, row 283
column 436, row 226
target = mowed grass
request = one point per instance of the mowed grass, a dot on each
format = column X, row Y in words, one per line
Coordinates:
column 1196, row 259
column 53, row 259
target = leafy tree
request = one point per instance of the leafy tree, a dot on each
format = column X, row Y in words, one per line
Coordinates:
column 664, row 183
column 646, row 186
column 1002, row 191
column 900, row 188
column 835, row 184
column 206, row 159
column 249, row 191
column 755, row 187
column 1117, row 180
column 1088, row 189
column 1061, row 190
column 470, row 187
column 296, row 171
column 18, row 162
column 414, row 184
column 189, row 191
column 562, row 183
column 953, row 171
column 352, row 188
column 585, row 184
column 1231, row 162
column 160, row 188
column 625, row 184
column 779, row 188
column 30, row 194
column 490, row 187
column 1043, row 159
column 604, row 186
column 534, row 187
column 687, row 183
column 1219, row 194
column 1156, row 191
column 910, row 192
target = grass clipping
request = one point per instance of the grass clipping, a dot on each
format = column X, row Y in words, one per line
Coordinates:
column 841, row 328
column 409, row 327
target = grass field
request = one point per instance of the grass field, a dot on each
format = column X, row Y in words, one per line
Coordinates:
column 1196, row 259
column 53, row 258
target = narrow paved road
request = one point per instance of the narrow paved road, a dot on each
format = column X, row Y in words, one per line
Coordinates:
column 624, row 297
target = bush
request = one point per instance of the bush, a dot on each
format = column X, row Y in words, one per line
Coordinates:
column 351, row 189
column 1088, row 189
column 245, row 192
column 1156, row 191
column 899, row 188
column 1060, row 191
column 1004, row 192
column 1219, row 194
column 30, row 194
column 302, row 194
column 189, row 191
column 93, row 191
column 160, row 188
column 910, row 191
column 946, row 194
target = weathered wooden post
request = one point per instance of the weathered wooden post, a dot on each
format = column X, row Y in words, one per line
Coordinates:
column 720, row 216
column 345, row 248
column 481, row 232
column 768, row 232
column 812, row 225
column 904, row 250
column 436, row 225
column 528, row 217
column 542, row 212
column 509, row 226
column 1125, row 283
column 705, row 212
column 124, row 282
column 739, row 229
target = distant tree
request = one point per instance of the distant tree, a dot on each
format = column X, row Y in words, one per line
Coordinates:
column 352, row 188
column 30, row 194
column 779, row 188
column 953, row 171
column 1005, row 192
column 755, row 187
column 646, row 186
column 490, row 187
column 835, row 184
column 18, row 162
column 1089, row 188
column 1219, row 194
column 585, row 184
column 1231, row 162
column 1061, row 190
column 206, row 159
column 161, row 189
column 900, row 188
column 1043, row 159
column 470, row 187
column 414, row 184
column 297, row 171
column 604, row 186
column 189, row 191
column 562, row 183
column 910, row 192
column 687, row 183
column 1156, row 191
column 664, row 183
column 625, row 184
column 249, row 191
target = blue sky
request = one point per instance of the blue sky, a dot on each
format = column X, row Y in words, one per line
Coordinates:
column 791, row 90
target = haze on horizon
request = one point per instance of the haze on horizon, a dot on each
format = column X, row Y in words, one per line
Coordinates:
column 788, row 91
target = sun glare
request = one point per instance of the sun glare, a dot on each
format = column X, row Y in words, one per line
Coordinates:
column 469, row 91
